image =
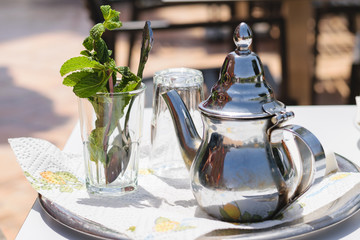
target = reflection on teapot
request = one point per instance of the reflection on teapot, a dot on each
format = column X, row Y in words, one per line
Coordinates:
column 247, row 166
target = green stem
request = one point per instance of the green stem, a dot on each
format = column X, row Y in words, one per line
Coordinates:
column 129, row 109
column 106, row 133
column 97, row 172
column 146, row 46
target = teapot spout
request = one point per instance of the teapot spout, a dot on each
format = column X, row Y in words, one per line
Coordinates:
column 185, row 129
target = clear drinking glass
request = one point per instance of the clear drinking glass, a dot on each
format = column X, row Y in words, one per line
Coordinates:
column 111, row 128
column 166, row 159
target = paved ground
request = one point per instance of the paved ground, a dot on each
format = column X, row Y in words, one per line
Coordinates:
column 36, row 37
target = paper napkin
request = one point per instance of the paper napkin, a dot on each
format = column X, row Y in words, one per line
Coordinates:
column 161, row 208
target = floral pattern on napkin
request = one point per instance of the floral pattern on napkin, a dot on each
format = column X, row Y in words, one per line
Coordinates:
column 60, row 180
column 166, row 225
column 160, row 208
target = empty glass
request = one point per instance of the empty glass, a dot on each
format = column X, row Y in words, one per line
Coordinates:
column 166, row 159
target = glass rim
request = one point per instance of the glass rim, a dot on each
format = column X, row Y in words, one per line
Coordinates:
column 161, row 76
column 137, row 91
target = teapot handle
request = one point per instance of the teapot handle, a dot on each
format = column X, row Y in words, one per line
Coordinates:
column 299, row 156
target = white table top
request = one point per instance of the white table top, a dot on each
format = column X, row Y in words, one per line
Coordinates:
column 333, row 125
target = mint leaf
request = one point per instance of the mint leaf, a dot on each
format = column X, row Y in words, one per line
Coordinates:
column 114, row 17
column 88, row 43
column 109, row 14
column 105, row 10
column 118, row 110
column 86, row 53
column 77, row 63
column 130, row 86
column 125, row 71
column 111, row 64
column 111, row 17
column 90, row 85
column 111, row 25
column 97, row 31
column 75, row 77
column 95, row 145
column 101, row 49
column 99, row 105
column 129, row 80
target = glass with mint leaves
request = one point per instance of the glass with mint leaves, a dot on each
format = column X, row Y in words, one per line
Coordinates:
column 111, row 109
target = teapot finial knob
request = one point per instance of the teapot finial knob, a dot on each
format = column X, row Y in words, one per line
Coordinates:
column 243, row 37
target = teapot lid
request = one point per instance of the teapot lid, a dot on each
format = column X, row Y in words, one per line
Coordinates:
column 241, row 91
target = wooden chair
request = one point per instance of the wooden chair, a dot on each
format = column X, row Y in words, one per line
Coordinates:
column 138, row 7
column 348, row 9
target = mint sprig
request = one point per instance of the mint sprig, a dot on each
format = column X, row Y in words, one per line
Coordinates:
column 96, row 72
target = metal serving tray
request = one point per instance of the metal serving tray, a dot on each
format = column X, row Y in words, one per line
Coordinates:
column 326, row 217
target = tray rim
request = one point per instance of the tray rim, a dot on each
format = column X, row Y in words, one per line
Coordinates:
column 286, row 230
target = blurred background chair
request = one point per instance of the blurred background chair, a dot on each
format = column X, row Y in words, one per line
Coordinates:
column 335, row 30
column 264, row 17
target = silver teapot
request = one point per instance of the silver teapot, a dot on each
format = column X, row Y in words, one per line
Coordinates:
column 247, row 167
